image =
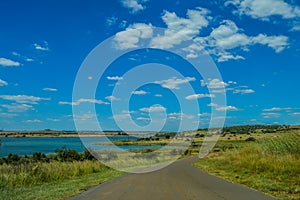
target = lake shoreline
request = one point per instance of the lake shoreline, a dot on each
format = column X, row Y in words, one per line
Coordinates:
column 64, row 134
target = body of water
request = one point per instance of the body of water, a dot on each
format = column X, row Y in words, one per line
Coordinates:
column 28, row 146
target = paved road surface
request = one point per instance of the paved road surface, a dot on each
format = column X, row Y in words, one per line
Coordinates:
column 179, row 181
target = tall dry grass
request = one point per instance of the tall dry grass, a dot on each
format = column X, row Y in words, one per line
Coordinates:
column 38, row 173
column 271, row 165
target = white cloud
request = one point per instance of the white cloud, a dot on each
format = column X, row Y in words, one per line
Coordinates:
column 204, row 114
column 84, row 116
column 29, row 59
column 296, row 27
column 114, row 78
column 277, row 109
column 218, row 86
column 199, row 96
column 112, row 98
column 214, row 84
column 3, row 83
column 33, row 121
column 264, row 9
column 6, row 115
column 228, row 36
column 23, row 98
column 78, row 102
column 134, row 5
column 154, row 109
column 16, row 54
column 110, row 21
column 224, row 56
column 17, row 107
column 50, row 89
column 53, row 120
column 295, row 114
column 9, row 63
column 271, row 115
column 173, row 83
column 212, row 105
column 223, row 108
column 278, row 43
column 143, row 119
column 42, row 47
column 179, row 116
column 193, row 50
column 246, row 91
column 131, row 36
column 121, row 116
column 180, row 29
column 158, row 95
column 227, row 108
column 139, row 92
column 122, row 24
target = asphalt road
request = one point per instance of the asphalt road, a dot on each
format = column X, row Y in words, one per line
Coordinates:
column 179, row 180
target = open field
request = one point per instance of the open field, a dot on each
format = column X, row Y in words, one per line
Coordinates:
column 270, row 164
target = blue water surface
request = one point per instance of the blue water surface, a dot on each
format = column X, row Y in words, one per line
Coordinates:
column 28, row 146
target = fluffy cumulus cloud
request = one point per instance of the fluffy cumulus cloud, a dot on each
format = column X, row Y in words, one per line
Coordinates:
column 228, row 36
column 180, row 29
column 112, row 98
column 42, row 47
column 227, row 108
column 132, row 35
column 139, row 92
column 156, row 108
column 226, row 40
column 179, row 116
column 114, row 78
column 174, row 83
column 199, row 96
column 17, row 107
column 243, row 91
column 23, row 98
column 79, row 101
column 219, row 86
column 278, row 43
column 223, row 108
column 214, row 84
column 264, row 9
column 9, row 63
column 134, row 5
column 3, row 83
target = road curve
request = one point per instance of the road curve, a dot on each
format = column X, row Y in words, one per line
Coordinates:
column 179, row 180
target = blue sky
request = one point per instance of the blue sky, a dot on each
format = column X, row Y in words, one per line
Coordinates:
column 254, row 44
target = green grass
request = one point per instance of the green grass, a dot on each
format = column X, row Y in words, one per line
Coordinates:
column 54, row 180
column 271, row 165
column 136, row 143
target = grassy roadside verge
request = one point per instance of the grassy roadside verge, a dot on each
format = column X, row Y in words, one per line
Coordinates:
column 59, row 189
column 51, row 179
column 270, row 165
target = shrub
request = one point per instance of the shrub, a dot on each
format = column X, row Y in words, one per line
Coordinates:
column 250, row 139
